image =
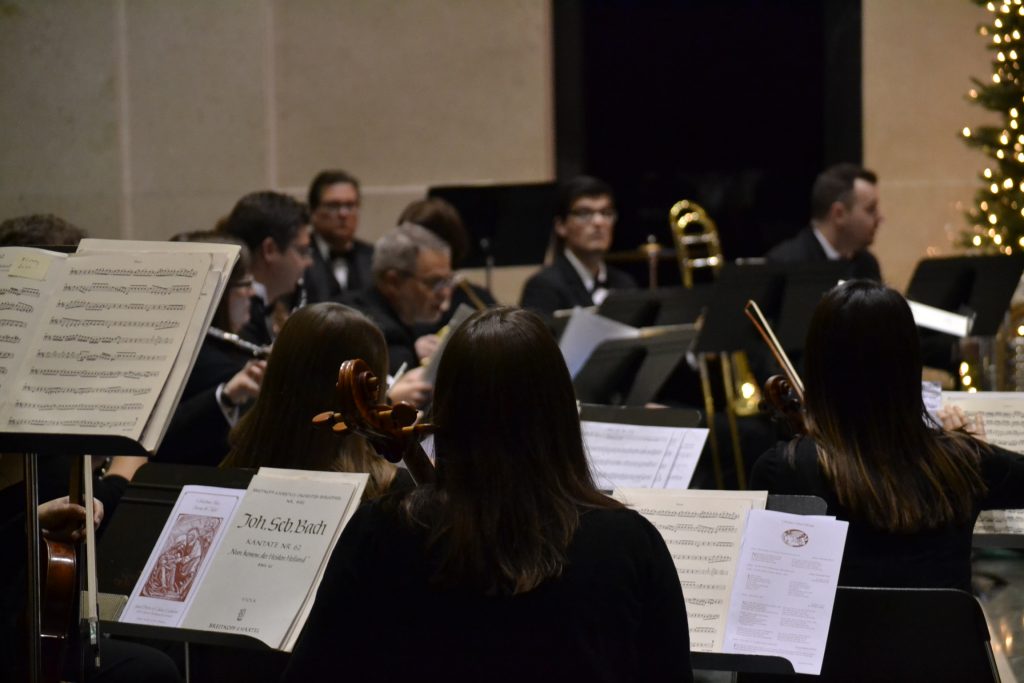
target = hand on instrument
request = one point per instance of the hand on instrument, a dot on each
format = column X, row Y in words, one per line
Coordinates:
column 65, row 521
column 954, row 418
column 411, row 388
column 245, row 385
column 427, row 345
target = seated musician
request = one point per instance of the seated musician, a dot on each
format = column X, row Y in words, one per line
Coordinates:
column 584, row 221
column 910, row 489
column 299, row 383
column 225, row 377
column 441, row 218
column 512, row 566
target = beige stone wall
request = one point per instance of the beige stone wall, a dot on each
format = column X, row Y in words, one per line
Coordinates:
column 919, row 56
column 142, row 118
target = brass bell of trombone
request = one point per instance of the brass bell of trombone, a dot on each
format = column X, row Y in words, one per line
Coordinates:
column 696, row 239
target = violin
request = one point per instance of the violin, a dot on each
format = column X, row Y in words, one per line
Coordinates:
column 783, row 394
column 391, row 429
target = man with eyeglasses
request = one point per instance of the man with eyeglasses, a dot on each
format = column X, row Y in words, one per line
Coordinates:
column 584, row 221
column 412, row 285
column 341, row 263
column 275, row 227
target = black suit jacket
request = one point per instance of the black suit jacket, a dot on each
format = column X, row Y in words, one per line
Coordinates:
column 559, row 286
column 198, row 433
column 805, row 248
column 319, row 280
column 400, row 338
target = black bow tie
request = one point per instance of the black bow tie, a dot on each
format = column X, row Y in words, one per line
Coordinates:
column 344, row 255
column 599, row 284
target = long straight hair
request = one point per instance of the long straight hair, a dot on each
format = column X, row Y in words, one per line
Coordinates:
column 513, row 476
column 887, row 461
column 299, row 383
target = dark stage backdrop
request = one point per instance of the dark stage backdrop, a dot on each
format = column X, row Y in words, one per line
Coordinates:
column 735, row 104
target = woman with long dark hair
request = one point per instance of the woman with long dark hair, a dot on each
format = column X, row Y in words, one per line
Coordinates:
column 513, row 566
column 910, row 489
column 299, row 383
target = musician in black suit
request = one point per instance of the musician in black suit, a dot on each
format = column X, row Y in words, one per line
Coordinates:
column 275, row 228
column 584, row 223
column 340, row 261
column 844, row 219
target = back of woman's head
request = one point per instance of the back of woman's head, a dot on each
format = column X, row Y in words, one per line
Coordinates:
column 512, row 472
column 862, row 361
column 887, row 461
column 299, row 383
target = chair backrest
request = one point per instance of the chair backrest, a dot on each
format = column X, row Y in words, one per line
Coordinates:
column 907, row 634
column 902, row 634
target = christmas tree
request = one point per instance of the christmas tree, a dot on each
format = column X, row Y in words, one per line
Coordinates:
column 997, row 217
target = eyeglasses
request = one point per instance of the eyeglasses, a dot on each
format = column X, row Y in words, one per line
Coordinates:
column 589, row 214
column 338, row 207
column 435, row 284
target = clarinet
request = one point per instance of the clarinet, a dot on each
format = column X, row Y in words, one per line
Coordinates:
column 257, row 351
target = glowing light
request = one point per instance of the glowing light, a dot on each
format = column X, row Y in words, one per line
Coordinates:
column 997, row 39
column 992, row 219
column 972, row 390
column 1021, row 240
column 1013, row 55
column 1000, row 154
column 964, row 368
column 967, row 132
column 983, row 31
column 1000, row 56
column 976, row 241
column 984, row 206
column 998, row 239
column 1004, row 138
column 966, row 380
column 1016, row 33
column 998, row 23
column 1013, row 124
column 1013, row 112
column 988, row 174
column 1020, row 330
column 1020, row 158
column 747, row 390
column 990, row 7
column 995, row 78
column 994, row 188
column 1008, row 183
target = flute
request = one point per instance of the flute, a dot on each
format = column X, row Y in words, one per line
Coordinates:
column 256, row 350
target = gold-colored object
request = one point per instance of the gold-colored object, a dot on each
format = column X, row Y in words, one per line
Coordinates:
column 696, row 239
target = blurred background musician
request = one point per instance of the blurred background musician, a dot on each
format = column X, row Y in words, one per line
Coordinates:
column 513, row 566
column 441, row 218
column 39, row 229
column 910, row 489
column 275, row 228
column 584, row 223
column 341, row 261
column 299, row 383
column 225, row 377
column 412, row 284
column 844, row 219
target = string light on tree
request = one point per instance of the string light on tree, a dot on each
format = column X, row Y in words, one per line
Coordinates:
column 997, row 219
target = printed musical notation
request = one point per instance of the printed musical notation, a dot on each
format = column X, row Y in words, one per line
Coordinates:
column 32, row 292
column 698, row 543
column 18, row 306
column 107, row 324
column 78, row 407
column 82, row 391
column 40, row 423
column 93, row 374
column 91, row 356
column 114, row 306
column 140, row 272
column 10, row 339
column 117, row 340
column 135, row 289
column 692, row 514
column 9, row 322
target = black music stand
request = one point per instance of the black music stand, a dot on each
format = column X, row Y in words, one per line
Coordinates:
column 644, row 307
column 651, row 417
column 727, row 330
column 633, row 371
column 805, row 285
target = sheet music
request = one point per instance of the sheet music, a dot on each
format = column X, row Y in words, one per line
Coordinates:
column 1002, row 411
column 785, row 587
column 703, row 531
column 28, row 278
column 105, row 344
column 1000, row 522
column 641, row 456
column 584, row 332
column 182, row 555
column 222, row 260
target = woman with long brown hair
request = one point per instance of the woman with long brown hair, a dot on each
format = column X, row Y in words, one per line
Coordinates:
column 298, row 384
column 910, row 489
column 512, row 566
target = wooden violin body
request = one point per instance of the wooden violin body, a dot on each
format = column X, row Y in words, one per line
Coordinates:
column 58, row 563
column 390, row 429
column 784, row 396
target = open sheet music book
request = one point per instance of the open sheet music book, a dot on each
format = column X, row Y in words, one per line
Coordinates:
column 642, row 456
column 755, row 581
column 100, row 342
column 246, row 562
column 1003, row 416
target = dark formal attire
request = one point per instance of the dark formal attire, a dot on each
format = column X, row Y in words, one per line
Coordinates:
column 400, row 338
column 258, row 329
column 805, row 248
column 459, row 298
column 559, row 286
column 615, row 614
column 319, row 279
column 198, row 433
column 934, row 558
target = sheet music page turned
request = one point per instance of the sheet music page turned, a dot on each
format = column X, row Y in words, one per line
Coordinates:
column 106, row 343
column 642, row 456
column 1002, row 411
column 703, row 533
